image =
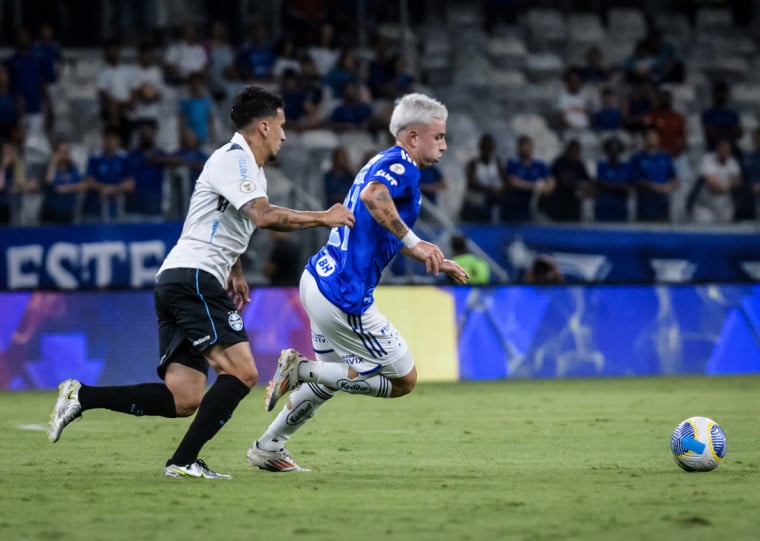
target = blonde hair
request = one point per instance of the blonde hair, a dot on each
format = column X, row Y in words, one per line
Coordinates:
column 416, row 109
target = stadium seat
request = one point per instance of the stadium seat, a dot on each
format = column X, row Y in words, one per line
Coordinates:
column 544, row 26
column 544, row 67
column 507, row 52
column 626, row 24
column 584, row 29
column 711, row 20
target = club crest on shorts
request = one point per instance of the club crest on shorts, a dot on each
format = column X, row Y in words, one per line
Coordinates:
column 235, row 321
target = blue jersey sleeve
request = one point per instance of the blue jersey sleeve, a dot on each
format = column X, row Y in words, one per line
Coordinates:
column 395, row 171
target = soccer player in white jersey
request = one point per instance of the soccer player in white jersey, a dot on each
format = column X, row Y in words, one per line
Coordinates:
column 357, row 349
column 200, row 289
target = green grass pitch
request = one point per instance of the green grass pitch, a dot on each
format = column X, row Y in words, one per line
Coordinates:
column 533, row 460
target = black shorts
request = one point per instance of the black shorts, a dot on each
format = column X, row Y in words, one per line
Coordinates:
column 194, row 313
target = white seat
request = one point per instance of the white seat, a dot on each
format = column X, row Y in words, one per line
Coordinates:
column 626, row 24
column 585, row 28
column 544, row 66
column 710, row 20
column 320, row 140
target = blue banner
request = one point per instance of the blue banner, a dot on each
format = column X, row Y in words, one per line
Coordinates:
column 625, row 255
column 110, row 337
column 84, row 256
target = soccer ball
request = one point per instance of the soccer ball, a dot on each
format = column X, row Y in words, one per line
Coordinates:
column 698, row 444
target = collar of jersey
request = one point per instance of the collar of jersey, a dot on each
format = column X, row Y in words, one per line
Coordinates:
column 240, row 140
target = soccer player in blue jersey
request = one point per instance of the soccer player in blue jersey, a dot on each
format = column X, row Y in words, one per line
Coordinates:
column 357, row 349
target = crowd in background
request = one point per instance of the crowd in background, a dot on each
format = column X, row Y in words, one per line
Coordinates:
column 327, row 82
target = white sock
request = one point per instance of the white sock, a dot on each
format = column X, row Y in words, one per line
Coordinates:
column 335, row 376
column 302, row 404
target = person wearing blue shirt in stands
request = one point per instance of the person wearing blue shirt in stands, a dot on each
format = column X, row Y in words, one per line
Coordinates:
column 614, row 184
column 146, row 167
column 49, row 53
column 63, row 185
column 608, row 117
column 358, row 350
column 27, row 83
column 108, row 178
column 653, row 168
column 721, row 122
column 351, row 113
column 526, row 176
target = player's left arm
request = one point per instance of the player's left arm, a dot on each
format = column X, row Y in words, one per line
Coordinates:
column 267, row 216
column 379, row 202
column 237, row 286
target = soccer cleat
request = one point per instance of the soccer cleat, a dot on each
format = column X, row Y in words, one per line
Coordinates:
column 67, row 408
column 276, row 461
column 285, row 378
column 197, row 470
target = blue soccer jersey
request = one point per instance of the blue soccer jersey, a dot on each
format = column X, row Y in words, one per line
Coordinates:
column 349, row 266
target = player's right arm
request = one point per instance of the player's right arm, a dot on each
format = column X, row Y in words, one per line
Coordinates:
column 377, row 198
column 267, row 216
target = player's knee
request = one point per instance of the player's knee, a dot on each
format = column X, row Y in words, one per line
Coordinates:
column 404, row 386
column 249, row 375
column 187, row 403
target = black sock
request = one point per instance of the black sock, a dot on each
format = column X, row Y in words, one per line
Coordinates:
column 142, row 399
column 215, row 410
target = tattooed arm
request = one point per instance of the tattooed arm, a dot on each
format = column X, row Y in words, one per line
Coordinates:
column 268, row 216
column 380, row 205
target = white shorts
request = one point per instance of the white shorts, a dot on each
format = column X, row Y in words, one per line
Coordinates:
column 368, row 343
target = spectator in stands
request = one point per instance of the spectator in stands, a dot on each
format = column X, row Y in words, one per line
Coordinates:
column 669, row 123
column 311, row 83
column 284, row 265
column 147, row 87
column 639, row 67
column 338, row 178
column 573, row 184
column 379, row 76
column 351, row 113
column 114, row 85
column 184, row 56
column 13, row 179
column 752, row 170
column 574, row 104
column 720, row 175
column 145, row 166
column 594, row 71
column 638, row 105
column 186, row 165
column 345, row 70
column 614, row 184
column 27, row 83
column 432, row 182
column 300, row 111
column 543, row 270
column 49, row 52
column 402, row 80
column 668, row 66
column 654, row 171
column 64, row 184
column 608, row 117
column 529, row 180
column 22, row 178
column 196, row 111
column 286, row 57
column 324, row 52
column 256, row 57
column 9, row 113
column 221, row 60
column 721, row 122
column 108, row 181
column 476, row 267
column 486, row 181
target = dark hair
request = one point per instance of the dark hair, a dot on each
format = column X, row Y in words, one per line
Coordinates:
column 252, row 103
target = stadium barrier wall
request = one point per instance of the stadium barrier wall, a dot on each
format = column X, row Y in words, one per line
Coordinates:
column 128, row 255
column 455, row 333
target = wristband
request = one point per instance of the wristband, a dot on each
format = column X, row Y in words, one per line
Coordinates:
column 410, row 240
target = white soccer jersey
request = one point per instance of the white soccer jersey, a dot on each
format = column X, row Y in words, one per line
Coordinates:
column 216, row 232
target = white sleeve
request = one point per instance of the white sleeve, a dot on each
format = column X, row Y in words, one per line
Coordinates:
column 238, row 179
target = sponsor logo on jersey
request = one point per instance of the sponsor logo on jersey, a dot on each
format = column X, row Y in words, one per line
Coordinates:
column 397, row 168
column 235, row 321
column 247, row 187
column 198, row 342
column 387, row 176
column 243, row 166
column 325, row 265
column 353, row 386
column 300, row 413
column 318, row 338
